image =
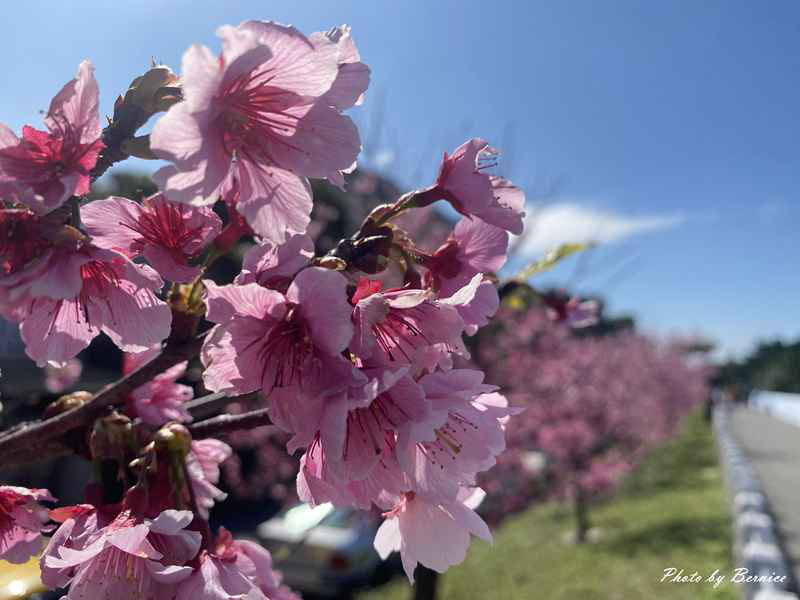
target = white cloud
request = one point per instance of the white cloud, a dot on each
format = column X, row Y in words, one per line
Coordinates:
column 555, row 224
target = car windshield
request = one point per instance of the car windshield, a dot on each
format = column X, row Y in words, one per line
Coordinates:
column 303, row 517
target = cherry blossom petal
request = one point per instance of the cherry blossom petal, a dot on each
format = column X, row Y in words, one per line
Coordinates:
column 295, row 64
column 134, row 318
column 267, row 262
column 275, row 202
column 322, row 296
column 78, row 101
column 56, row 330
column 200, row 77
column 249, row 300
column 111, row 223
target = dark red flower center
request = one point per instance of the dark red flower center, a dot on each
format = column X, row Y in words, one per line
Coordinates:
column 42, row 156
column 98, row 278
column 163, row 224
column 22, row 240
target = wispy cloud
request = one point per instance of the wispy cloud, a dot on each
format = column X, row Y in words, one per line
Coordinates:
column 555, row 224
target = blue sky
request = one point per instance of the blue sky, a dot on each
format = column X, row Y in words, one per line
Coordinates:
column 668, row 129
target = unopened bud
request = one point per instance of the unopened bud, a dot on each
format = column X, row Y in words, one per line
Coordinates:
column 155, row 91
column 110, row 436
column 66, row 403
column 173, row 438
column 331, row 262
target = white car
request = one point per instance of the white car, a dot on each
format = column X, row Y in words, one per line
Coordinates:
column 324, row 550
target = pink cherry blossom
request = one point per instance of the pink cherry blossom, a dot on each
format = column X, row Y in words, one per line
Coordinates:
column 473, row 193
column 317, row 482
column 45, row 168
column 265, row 340
column 352, row 78
column 168, row 234
column 65, row 289
column 476, row 302
column 106, row 292
column 473, row 247
column 357, row 433
column 129, row 558
column 354, row 445
column 401, row 325
column 255, row 562
column 21, row 522
column 258, row 118
column 224, row 573
column 161, row 399
column 360, row 375
column 78, row 524
column 429, row 531
column 463, row 436
column 32, row 253
column 594, row 405
column 203, row 463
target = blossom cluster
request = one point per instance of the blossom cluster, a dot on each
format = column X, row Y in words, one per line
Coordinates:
column 594, row 405
column 354, row 354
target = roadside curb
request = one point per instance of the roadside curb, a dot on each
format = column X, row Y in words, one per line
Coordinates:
column 757, row 545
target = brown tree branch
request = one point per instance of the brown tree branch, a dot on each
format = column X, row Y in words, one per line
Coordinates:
column 46, row 449
column 23, row 441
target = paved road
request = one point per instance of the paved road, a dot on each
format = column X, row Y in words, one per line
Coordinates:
column 773, row 447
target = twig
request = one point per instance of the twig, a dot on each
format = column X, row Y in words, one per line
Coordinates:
column 224, row 423
column 121, row 128
column 207, row 405
column 23, row 441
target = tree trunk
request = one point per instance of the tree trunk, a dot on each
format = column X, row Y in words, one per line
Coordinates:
column 425, row 585
column 581, row 516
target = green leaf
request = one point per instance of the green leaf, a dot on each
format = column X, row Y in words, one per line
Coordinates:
column 550, row 260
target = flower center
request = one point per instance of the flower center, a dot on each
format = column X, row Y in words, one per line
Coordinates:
column 449, row 440
column 163, row 224
column 41, row 156
column 288, row 353
column 400, row 332
column 21, row 240
column 252, row 112
column 375, row 424
column 98, row 278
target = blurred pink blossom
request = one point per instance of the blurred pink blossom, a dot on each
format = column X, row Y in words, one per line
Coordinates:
column 45, row 168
